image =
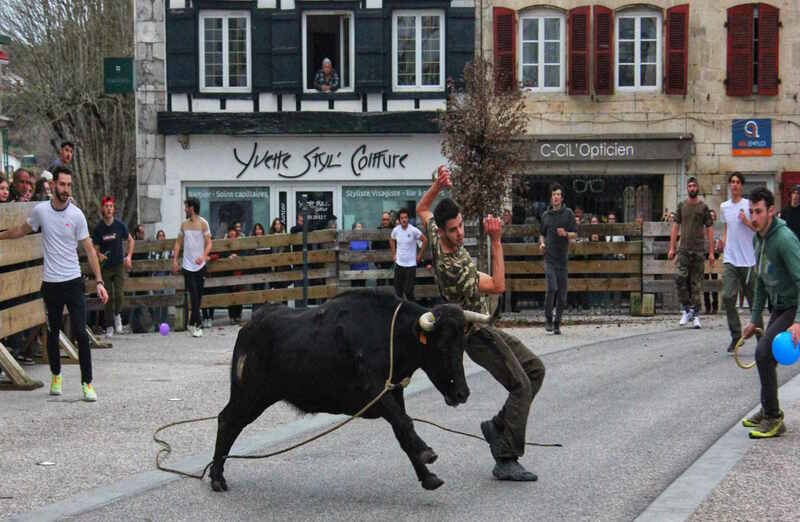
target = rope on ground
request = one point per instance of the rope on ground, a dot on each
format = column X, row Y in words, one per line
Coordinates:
column 450, row 430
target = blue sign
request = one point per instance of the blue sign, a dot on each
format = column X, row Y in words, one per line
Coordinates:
column 751, row 137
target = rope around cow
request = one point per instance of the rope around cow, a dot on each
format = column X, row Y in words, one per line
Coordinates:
column 166, row 449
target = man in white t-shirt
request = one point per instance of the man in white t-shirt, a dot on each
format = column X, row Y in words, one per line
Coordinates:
column 406, row 255
column 195, row 239
column 738, row 256
column 63, row 226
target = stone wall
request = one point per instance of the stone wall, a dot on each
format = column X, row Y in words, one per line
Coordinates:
column 706, row 111
column 150, row 98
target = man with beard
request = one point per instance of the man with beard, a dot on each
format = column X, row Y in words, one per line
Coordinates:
column 63, row 226
column 195, row 238
column 108, row 236
column 503, row 355
column 21, row 186
column 777, row 277
column 693, row 220
column 738, row 257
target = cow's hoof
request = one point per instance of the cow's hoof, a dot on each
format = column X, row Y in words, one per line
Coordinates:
column 428, row 456
column 432, row 482
column 219, row 485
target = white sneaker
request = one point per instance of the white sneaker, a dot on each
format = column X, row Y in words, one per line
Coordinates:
column 118, row 323
column 198, row 332
column 190, row 329
column 110, row 331
column 696, row 322
column 685, row 318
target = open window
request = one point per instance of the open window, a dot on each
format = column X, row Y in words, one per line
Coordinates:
column 328, row 34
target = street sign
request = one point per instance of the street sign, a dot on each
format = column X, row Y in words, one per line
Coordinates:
column 118, row 76
column 751, row 137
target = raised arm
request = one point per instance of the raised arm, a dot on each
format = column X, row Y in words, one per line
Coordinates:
column 424, row 206
column 495, row 283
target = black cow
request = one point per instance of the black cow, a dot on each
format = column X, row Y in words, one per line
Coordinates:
column 335, row 359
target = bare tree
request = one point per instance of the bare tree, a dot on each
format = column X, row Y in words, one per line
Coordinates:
column 479, row 129
column 58, row 48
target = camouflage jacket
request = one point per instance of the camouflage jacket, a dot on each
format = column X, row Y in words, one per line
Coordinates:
column 455, row 274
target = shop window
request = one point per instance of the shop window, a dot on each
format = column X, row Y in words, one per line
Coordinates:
column 541, row 48
column 638, row 51
column 224, row 51
column 365, row 204
column 753, row 50
column 328, row 34
column 222, row 207
column 418, row 50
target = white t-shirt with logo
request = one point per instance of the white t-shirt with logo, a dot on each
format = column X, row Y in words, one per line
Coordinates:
column 406, row 244
column 739, row 243
column 61, row 232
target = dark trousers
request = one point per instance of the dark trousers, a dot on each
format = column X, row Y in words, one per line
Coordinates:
column 194, row 282
column 404, row 278
column 779, row 321
column 72, row 295
column 520, row 372
column 556, row 280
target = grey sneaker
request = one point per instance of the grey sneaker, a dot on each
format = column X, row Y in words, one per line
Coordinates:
column 510, row 469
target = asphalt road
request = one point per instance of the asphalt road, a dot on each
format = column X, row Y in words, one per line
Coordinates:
column 632, row 415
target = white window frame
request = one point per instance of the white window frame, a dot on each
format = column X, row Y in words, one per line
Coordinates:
column 351, row 47
column 225, row 15
column 541, row 15
column 637, row 15
column 419, row 13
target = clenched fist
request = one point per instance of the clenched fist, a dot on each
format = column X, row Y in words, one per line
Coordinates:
column 493, row 226
column 443, row 177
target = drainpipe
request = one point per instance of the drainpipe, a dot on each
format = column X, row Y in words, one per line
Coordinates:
column 683, row 183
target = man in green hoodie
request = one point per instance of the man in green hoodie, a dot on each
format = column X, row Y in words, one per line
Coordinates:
column 777, row 273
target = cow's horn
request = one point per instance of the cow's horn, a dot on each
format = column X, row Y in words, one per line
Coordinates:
column 475, row 317
column 427, row 321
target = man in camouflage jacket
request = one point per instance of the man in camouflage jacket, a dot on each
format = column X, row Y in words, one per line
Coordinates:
column 504, row 356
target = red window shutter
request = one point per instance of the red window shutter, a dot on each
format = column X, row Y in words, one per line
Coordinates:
column 505, row 47
column 578, row 22
column 740, row 51
column 768, row 49
column 677, row 49
column 603, row 50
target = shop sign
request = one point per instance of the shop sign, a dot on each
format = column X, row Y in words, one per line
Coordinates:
column 318, row 159
column 589, row 149
column 751, row 137
column 586, row 150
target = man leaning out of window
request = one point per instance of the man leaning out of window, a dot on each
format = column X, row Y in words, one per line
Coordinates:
column 326, row 79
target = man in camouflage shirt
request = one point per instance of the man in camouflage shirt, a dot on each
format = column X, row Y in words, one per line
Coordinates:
column 504, row 356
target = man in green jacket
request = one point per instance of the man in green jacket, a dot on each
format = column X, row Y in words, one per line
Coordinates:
column 777, row 274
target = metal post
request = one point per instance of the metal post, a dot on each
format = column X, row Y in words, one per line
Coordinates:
column 304, row 213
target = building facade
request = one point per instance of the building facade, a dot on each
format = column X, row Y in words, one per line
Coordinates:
column 230, row 109
column 4, row 121
column 627, row 99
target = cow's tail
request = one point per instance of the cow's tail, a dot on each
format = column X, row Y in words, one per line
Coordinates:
column 239, row 359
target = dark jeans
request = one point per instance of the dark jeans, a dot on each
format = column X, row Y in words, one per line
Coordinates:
column 520, row 372
column 556, row 280
column 404, row 278
column 72, row 295
column 779, row 321
column 194, row 282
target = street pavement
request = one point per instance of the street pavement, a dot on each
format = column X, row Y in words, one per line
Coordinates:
column 636, row 404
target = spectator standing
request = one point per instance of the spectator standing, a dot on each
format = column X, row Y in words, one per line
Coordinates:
column 386, row 224
column 277, row 227
column 234, row 311
column 64, row 159
column 406, row 255
column 42, row 192
column 777, row 274
column 738, row 256
column 503, row 355
column 791, row 214
column 21, row 186
column 711, row 299
column 108, row 237
column 359, row 245
column 326, row 79
column 558, row 228
column 63, row 226
column 195, row 239
column 160, row 314
column 693, row 220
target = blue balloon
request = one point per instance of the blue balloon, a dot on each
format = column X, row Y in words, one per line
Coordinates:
column 784, row 350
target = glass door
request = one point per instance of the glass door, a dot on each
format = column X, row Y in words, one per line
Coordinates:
column 321, row 206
